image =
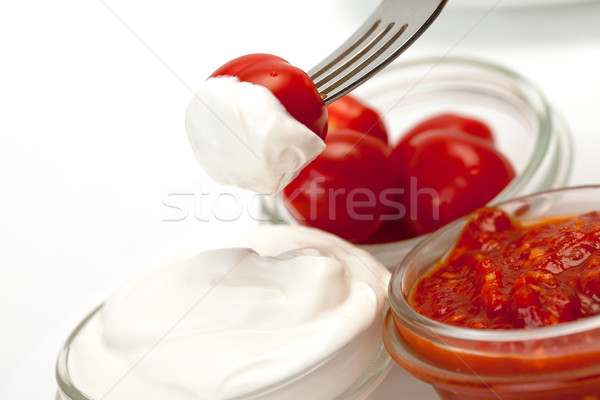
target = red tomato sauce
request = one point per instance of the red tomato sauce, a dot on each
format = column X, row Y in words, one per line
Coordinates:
column 502, row 274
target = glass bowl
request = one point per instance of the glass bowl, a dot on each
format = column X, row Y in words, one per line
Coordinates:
column 123, row 338
column 361, row 389
column 527, row 130
column 556, row 362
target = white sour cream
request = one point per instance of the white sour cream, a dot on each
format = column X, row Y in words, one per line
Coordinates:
column 243, row 136
column 295, row 315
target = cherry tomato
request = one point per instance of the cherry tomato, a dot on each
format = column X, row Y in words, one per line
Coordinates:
column 292, row 86
column 392, row 230
column 340, row 190
column 446, row 174
column 451, row 121
column 348, row 112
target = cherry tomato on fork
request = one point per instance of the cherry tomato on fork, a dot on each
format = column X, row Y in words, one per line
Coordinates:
column 446, row 174
column 453, row 121
column 292, row 87
column 340, row 190
column 348, row 112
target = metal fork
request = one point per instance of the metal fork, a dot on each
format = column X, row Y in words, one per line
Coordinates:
column 390, row 30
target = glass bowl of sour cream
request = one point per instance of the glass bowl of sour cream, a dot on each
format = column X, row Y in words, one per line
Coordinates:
column 284, row 312
column 527, row 129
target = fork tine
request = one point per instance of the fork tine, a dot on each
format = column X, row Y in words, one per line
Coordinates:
column 374, row 45
column 344, row 50
column 377, row 46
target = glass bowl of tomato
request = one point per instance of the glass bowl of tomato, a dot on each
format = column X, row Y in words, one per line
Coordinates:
column 516, row 144
column 504, row 303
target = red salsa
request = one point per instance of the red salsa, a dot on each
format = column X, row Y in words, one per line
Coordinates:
column 503, row 274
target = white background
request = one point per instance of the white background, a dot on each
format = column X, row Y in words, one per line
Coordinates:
column 93, row 148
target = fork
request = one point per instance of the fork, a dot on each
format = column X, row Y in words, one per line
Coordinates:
column 376, row 43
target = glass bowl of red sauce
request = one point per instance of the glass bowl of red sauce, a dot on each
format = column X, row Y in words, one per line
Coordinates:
column 504, row 303
column 527, row 130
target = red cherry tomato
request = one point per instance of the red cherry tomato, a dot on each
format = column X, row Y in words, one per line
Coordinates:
column 348, row 112
column 446, row 174
column 340, row 190
column 451, row 121
column 292, row 86
column 392, row 230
